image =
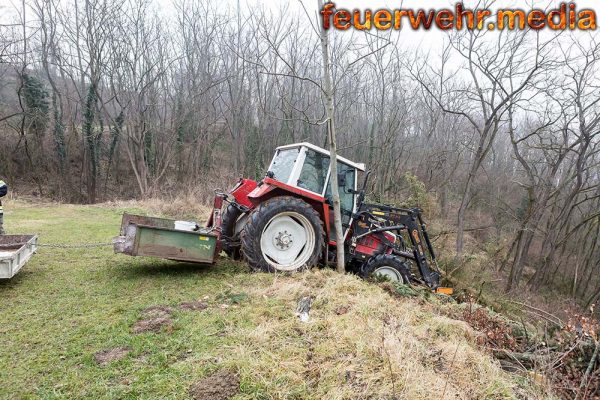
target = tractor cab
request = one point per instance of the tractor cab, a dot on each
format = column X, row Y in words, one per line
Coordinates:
column 307, row 168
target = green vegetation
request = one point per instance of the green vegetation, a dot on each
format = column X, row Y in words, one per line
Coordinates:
column 36, row 103
column 66, row 305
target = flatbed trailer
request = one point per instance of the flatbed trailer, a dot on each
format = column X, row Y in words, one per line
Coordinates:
column 15, row 251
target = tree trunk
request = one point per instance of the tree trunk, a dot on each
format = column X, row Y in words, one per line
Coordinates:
column 460, row 228
column 335, row 194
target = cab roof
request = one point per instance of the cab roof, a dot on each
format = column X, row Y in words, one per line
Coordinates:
column 359, row 166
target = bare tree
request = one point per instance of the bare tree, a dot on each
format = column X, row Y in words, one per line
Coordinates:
column 498, row 72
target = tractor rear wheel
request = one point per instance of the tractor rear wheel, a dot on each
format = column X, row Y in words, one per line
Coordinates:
column 228, row 225
column 386, row 266
column 283, row 234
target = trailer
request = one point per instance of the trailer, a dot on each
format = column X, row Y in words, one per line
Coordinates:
column 165, row 238
column 15, row 251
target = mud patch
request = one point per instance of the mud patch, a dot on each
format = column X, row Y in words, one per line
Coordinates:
column 193, row 306
column 152, row 325
column 107, row 356
column 222, row 385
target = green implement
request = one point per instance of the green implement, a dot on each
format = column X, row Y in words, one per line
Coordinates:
column 165, row 238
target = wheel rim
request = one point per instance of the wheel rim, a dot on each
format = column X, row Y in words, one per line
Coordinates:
column 388, row 272
column 287, row 241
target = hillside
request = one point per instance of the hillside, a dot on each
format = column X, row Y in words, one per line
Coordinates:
column 86, row 323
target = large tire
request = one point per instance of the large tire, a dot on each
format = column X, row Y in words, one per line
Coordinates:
column 228, row 222
column 392, row 267
column 283, row 234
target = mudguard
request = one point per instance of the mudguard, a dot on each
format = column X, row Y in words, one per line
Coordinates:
column 241, row 190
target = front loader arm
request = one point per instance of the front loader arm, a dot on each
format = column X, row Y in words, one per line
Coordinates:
column 387, row 218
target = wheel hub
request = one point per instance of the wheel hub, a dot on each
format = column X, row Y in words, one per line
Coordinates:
column 283, row 240
column 287, row 241
column 388, row 272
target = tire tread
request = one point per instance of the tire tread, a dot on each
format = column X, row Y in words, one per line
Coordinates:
column 250, row 236
column 229, row 218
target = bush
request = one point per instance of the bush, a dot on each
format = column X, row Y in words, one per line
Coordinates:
column 417, row 194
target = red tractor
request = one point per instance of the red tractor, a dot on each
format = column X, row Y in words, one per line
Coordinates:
column 285, row 221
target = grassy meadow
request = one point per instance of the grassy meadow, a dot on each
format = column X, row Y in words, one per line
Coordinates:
column 70, row 328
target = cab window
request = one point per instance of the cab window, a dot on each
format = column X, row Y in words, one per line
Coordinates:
column 283, row 163
column 314, row 172
column 346, row 180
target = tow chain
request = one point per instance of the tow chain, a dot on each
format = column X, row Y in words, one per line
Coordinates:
column 75, row 246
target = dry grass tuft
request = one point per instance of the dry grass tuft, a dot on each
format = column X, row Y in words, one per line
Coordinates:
column 379, row 347
column 189, row 206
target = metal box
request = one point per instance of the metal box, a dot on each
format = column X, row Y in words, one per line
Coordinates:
column 157, row 237
column 15, row 251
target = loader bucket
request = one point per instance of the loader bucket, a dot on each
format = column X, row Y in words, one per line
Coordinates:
column 159, row 237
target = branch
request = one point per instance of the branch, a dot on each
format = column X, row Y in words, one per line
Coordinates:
column 10, row 116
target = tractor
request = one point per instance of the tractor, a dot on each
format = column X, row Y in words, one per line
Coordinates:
column 284, row 223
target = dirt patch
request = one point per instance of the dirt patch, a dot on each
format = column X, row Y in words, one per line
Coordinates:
column 193, row 306
column 152, row 325
column 222, row 385
column 154, row 319
column 157, row 311
column 107, row 356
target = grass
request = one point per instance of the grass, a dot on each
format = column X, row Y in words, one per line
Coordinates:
column 68, row 304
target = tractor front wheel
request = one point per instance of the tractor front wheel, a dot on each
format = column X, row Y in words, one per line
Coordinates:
column 283, row 234
column 386, row 266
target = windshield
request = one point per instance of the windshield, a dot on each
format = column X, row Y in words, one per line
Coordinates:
column 283, row 163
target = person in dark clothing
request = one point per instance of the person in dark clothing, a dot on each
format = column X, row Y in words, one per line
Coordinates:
column 3, row 191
